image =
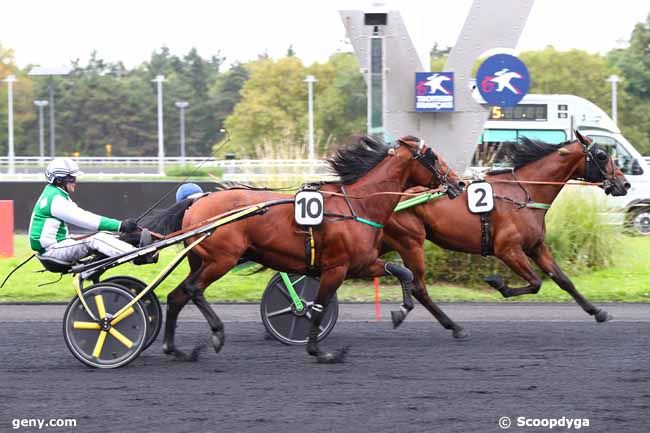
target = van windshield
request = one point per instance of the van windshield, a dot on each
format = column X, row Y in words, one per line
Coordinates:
column 495, row 145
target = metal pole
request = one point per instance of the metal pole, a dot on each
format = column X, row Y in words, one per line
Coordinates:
column 10, row 115
column 182, row 135
column 41, row 133
column 161, row 146
column 310, row 80
column 614, row 79
column 52, row 129
column 182, row 105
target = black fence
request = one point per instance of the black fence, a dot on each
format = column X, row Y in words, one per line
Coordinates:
column 118, row 200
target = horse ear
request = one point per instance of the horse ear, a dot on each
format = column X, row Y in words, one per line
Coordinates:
column 563, row 151
column 581, row 138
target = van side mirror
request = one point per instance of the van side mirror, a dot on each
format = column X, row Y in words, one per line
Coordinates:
column 636, row 168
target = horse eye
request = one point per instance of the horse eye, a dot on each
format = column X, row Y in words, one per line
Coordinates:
column 601, row 155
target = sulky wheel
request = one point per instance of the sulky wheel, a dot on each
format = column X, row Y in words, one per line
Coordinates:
column 150, row 302
column 281, row 318
column 109, row 343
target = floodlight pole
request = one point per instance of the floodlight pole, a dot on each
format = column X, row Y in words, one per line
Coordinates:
column 41, row 104
column 182, row 105
column 10, row 124
column 310, row 80
column 159, row 80
column 614, row 79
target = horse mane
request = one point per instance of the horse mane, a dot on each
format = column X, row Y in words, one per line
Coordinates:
column 353, row 162
column 526, row 151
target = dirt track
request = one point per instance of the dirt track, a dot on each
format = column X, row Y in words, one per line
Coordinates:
column 414, row 379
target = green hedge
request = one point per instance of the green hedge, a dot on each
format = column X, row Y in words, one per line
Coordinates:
column 577, row 235
column 192, row 171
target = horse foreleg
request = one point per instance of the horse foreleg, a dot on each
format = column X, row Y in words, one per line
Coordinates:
column 547, row 263
column 414, row 260
column 329, row 282
column 517, row 260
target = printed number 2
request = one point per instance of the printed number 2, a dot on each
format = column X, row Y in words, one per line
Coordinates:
column 311, row 207
column 481, row 200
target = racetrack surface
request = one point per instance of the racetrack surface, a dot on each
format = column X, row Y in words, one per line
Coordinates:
column 413, row 379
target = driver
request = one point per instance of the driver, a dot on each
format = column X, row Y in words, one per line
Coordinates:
column 54, row 210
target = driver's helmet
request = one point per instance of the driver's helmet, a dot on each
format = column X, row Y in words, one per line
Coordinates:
column 64, row 169
column 186, row 190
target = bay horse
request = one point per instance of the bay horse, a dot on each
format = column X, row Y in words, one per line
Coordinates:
column 347, row 243
column 517, row 228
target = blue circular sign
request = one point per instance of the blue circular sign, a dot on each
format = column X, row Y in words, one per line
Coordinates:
column 502, row 80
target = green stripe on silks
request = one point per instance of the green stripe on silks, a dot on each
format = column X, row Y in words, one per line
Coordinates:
column 370, row 223
column 414, row 201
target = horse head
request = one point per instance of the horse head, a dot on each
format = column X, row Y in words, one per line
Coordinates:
column 601, row 168
column 432, row 170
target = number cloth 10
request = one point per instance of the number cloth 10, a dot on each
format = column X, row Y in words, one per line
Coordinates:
column 308, row 208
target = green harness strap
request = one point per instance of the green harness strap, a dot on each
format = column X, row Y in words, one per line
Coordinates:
column 414, row 201
column 534, row 205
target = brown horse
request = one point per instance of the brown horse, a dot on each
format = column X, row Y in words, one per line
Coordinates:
column 346, row 243
column 517, row 227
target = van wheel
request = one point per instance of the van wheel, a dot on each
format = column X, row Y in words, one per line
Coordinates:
column 639, row 221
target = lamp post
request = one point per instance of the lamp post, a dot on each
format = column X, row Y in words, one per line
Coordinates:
column 310, row 80
column 10, row 121
column 614, row 79
column 50, row 72
column 159, row 80
column 41, row 104
column 182, row 105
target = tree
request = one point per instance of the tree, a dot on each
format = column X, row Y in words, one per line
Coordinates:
column 272, row 107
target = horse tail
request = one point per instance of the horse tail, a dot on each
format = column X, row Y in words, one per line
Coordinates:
column 166, row 221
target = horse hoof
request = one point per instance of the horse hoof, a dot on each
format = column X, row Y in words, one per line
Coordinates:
column 168, row 350
column 495, row 281
column 460, row 334
column 602, row 316
column 217, row 339
column 397, row 317
column 337, row 357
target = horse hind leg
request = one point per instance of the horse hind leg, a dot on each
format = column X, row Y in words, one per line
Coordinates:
column 516, row 260
column 217, row 268
column 176, row 300
column 547, row 263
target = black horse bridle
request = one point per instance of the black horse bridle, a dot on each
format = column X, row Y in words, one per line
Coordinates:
column 425, row 156
column 596, row 162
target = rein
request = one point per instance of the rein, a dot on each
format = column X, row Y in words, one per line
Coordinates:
column 542, row 182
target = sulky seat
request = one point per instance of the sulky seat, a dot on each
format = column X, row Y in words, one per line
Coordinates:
column 52, row 264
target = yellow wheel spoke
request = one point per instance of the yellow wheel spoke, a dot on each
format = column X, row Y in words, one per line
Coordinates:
column 100, row 344
column 101, row 310
column 122, row 316
column 85, row 325
column 121, row 337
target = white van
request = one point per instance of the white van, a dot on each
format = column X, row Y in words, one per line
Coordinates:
column 553, row 118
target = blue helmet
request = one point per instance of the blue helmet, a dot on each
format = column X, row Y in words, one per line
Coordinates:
column 186, row 190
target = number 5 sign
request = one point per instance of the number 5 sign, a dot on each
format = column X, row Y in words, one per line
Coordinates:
column 308, row 208
column 479, row 197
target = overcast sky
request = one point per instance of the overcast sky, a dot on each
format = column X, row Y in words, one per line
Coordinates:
column 53, row 32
